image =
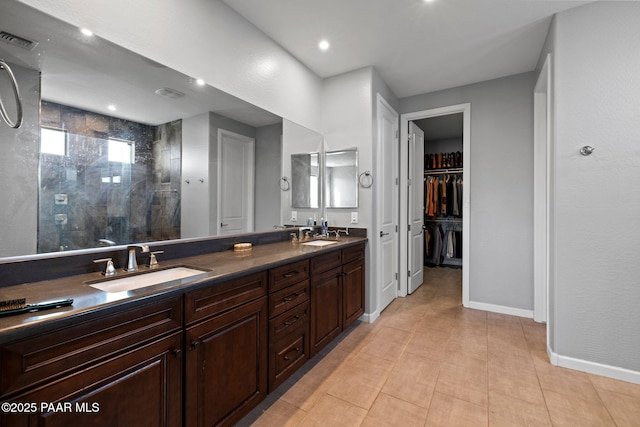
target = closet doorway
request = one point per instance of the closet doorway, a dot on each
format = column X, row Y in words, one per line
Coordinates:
column 446, row 162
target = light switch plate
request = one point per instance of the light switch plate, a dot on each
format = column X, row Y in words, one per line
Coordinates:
column 294, row 216
column 354, row 217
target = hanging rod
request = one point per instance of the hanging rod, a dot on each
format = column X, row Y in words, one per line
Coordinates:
column 457, row 220
column 16, row 93
column 443, row 171
column 165, row 191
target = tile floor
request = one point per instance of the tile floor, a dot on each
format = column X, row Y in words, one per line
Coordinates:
column 427, row 361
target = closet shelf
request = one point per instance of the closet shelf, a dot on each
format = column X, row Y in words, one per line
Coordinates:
column 443, row 171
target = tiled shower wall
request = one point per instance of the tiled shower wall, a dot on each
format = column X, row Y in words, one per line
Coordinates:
column 143, row 206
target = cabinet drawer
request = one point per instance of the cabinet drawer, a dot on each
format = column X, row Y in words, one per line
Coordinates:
column 286, row 357
column 282, row 300
column 54, row 353
column 140, row 387
column 281, row 277
column 222, row 296
column 326, row 262
column 352, row 253
column 286, row 323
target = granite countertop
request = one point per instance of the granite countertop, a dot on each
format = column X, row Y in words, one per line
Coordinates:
column 222, row 265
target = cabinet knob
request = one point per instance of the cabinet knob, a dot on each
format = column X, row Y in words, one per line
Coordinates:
column 195, row 345
column 177, row 352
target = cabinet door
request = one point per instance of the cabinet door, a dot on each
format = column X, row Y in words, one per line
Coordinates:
column 326, row 308
column 353, row 292
column 226, row 365
column 139, row 388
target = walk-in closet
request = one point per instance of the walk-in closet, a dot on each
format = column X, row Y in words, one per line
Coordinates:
column 443, row 190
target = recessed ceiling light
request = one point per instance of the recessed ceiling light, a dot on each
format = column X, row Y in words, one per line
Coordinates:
column 111, row 107
column 200, row 82
column 323, row 45
column 86, row 32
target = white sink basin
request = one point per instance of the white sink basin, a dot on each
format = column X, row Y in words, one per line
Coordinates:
column 320, row 243
column 179, row 275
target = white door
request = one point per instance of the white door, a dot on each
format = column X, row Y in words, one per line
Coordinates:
column 387, row 203
column 416, row 207
column 235, row 183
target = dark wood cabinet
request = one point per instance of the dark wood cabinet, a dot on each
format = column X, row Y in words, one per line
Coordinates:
column 337, row 294
column 288, row 320
column 226, row 365
column 352, row 292
column 127, row 385
column 326, row 308
column 203, row 357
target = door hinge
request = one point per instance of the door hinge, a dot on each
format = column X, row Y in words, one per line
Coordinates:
column 408, row 273
column 397, row 133
column 396, row 228
column 396, row 276
column 409, row 227
column 396, row 180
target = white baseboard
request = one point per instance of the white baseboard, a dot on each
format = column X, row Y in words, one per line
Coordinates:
column 501, row 309
column 593, row 367
column 370, row 317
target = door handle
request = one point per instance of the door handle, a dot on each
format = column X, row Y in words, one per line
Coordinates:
column 382, row 234
column 223, row 225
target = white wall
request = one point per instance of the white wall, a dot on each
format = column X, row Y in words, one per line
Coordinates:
column 349, row 121
column 19, row 179
column 597, row 198
column 205, row 39
column 501, row 205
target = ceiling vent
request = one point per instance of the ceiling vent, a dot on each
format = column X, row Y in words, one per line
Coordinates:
column 170, row 93
column 14, row 40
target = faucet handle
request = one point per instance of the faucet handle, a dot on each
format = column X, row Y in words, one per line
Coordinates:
column 153, row 261
column 110, row 270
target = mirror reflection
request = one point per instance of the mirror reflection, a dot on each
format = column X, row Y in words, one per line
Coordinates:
column 110, row 140
column 305, row 180
column 341, row 179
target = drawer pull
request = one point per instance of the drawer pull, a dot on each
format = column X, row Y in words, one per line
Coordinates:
column 290, row 275
column 287, row 299
column 296, row 318
column 297, row 350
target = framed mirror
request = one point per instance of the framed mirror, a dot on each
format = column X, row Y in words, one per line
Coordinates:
column 305, row 180
column 116, row 148
column 341, row 179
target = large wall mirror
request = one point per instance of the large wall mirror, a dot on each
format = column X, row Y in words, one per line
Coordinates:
column 341, row 179
column 116, row 148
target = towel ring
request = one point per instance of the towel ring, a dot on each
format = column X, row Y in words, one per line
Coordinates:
column 284, row 184
column 16, row 93
column 365, row 179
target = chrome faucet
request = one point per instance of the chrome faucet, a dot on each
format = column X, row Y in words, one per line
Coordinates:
column 301, row 232
column 132, row 264
column 345, row 231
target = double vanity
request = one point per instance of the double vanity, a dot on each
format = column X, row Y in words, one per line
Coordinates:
column 200, row 343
